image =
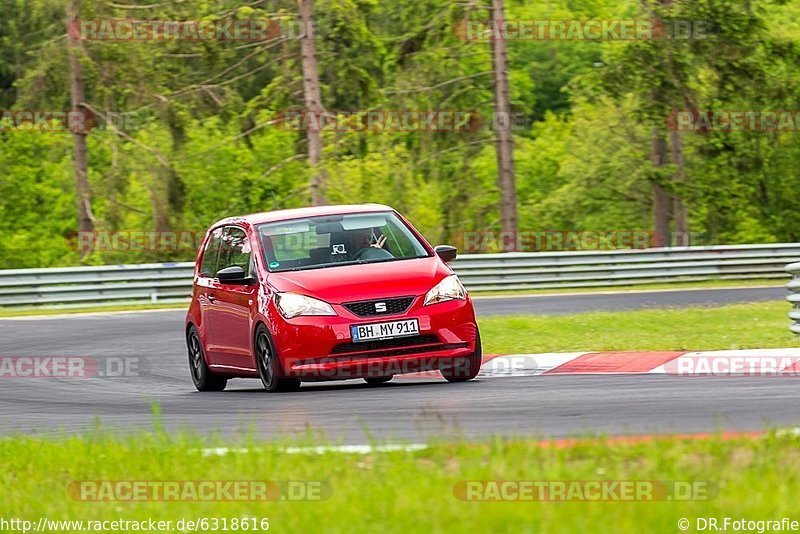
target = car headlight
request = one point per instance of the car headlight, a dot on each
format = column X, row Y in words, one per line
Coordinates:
column 292, row 305
column 448, row 289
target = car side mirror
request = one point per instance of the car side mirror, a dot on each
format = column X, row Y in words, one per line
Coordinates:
column 446, row 252
column 233, row 275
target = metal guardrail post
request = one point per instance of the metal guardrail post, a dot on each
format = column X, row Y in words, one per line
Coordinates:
column 794, row 298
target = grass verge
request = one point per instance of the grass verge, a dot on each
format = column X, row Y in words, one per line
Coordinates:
column 410, row 491
column 738, row 326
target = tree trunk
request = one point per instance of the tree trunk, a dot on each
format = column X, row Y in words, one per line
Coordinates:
column 313, row 102
column 678, row 205
column 167, row 190
column 504, row 140
column 78, row 98
column 661, row 198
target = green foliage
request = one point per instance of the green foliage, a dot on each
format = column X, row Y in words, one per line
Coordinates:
column 202, row 142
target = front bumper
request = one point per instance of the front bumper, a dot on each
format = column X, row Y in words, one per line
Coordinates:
column 321, row 347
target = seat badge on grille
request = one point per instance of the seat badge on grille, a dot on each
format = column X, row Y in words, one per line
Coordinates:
column 380, row 307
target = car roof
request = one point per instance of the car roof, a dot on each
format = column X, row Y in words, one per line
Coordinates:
column 299, row 213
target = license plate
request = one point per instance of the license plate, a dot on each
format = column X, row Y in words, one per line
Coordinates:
column 371, row 332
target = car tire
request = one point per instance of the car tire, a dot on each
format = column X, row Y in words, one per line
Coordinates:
column 202, row 377
column 269, row 366
column 377, row 380
column 466, row 368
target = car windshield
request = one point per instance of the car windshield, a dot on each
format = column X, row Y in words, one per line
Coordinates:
column 336, row 240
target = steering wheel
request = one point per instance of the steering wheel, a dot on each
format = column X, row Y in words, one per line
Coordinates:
column 372, row 253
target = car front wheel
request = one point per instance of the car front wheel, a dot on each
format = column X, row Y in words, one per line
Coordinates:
column 466, row 368
column 269, row 367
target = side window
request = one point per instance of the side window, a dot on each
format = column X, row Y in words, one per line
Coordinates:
column 234, row 250
column 208, row 267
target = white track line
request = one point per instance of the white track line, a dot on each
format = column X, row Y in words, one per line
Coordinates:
column 345, row 449
column 369, row 449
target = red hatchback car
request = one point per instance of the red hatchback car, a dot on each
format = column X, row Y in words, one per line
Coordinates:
column 326, row 293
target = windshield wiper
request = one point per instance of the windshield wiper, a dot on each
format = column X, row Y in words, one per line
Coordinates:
column 324, row 265
column 350, row 262
column 384, row 260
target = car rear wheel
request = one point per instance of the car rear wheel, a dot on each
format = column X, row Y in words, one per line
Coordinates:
column 378, row 380
column 203, row 378
column 269, row 366
column 466, row 368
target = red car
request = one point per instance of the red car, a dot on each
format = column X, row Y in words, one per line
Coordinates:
column 326, row 293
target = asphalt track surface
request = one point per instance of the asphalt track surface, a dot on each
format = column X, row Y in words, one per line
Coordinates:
column 409, row 410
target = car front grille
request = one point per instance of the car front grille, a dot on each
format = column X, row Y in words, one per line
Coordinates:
column 372, row 308
column 386, row 344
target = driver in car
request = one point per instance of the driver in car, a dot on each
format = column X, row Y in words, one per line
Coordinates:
column 366, row 246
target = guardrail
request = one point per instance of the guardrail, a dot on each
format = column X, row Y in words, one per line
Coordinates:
column 794, row 298
column 171, row 282
column 97, row 286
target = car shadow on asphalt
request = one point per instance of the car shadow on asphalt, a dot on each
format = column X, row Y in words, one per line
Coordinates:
column 319, row 387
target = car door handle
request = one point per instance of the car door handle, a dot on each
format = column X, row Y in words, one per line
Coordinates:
column 211, row 298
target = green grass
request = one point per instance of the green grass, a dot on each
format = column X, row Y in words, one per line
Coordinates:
column 409, row 491
column 739, row 326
